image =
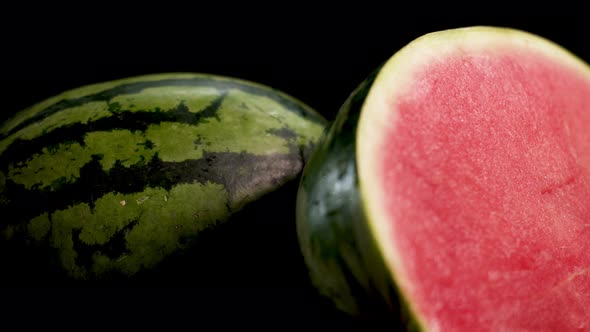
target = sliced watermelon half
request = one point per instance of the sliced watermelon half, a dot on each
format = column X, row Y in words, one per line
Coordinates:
column 452, row 192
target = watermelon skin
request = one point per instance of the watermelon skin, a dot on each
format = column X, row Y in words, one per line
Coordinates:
column 344, row 246
column 343, row 261
column 108, row 180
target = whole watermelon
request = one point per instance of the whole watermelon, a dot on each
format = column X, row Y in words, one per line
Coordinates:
column 108, row 180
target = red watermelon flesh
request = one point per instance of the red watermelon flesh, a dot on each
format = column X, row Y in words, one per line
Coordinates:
column 484, row 174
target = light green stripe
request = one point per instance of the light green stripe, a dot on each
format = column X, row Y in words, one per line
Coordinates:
column 44, row 168
column 151, row 99
column 163, row 217
column 196, row 98
column 85, row 91
column 67, row 159
column 243, row 126
column 123, row 145
column 79, row 114
column 39, row 226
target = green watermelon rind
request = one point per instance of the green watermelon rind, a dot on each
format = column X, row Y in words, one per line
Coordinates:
column 339, row 250
column 280, row 129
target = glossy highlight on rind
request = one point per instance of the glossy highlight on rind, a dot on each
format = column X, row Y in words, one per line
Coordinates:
column 116, row 176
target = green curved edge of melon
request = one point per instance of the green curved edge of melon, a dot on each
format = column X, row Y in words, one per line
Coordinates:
column 95, row 88
column 341, row 254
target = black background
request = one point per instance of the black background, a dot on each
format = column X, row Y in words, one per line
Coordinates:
column 318, row 56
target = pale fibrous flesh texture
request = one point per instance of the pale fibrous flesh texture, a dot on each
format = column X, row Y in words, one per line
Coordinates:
column 482, row 172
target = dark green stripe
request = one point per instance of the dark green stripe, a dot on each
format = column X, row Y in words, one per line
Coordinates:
column 114, row 248
column 21, row 150
column 133, row 88
column 265, row 172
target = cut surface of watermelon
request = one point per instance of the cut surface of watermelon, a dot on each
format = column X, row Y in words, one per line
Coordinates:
column 474, row 165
